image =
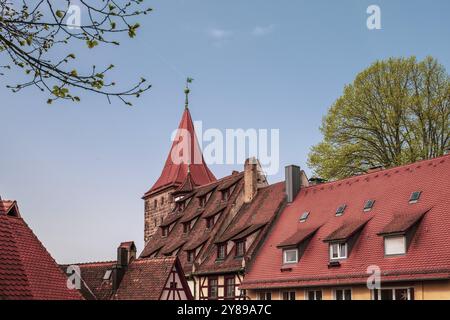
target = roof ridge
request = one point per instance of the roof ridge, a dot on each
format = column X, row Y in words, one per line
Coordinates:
column 377, row 172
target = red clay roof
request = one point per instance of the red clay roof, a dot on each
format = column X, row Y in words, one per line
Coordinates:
column 250, row 220
column 27, row 271
column 93, row 284
column 199, row 235
column 253, row 219
column 174, row 174
column 145, row 279
column 403, row 222
column 428, row 254
column 346, row 230
column 298, row 237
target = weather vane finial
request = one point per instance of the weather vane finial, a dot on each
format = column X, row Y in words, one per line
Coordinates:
column 186, row 91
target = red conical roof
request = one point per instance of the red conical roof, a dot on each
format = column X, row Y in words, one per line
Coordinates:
column 178, row 163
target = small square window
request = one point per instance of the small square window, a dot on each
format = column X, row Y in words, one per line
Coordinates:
column 415, row 196
column 369, row 205
column 290, row 256
column 394, row 245
column 340, row 210
column 338, row 251
column 304, row 216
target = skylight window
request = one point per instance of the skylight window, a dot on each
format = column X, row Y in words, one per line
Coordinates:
column 369, row 205
column 304, row 216
column 340, row 210
column 107, row 275
column 415, row 196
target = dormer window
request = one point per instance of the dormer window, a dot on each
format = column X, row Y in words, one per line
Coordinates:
column 202, row 201
column 304, row 216
column 338, row 251
column 395, row 245
column 415, row 197
column 165, row 231
column 191, row 256
column 290, row 256
column 186, row 227
column 240, row 248
column 369, row 205
column 221, row 251
column 180, row 206
column 210, row 223
column 225, row 194
column 340, row 210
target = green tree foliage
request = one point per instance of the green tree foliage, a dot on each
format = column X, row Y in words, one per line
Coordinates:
column 395, row 112
column 30, row 31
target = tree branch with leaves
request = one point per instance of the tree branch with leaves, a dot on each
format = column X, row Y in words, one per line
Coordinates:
column 30, row 30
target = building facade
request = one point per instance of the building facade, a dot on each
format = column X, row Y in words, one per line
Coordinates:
column 382, row 236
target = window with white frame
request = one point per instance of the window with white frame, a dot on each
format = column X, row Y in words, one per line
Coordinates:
column 394, row 245
column 288, row 295
column 265, row 295
column 314, row 295
column 343, row 294
column 338, row 250
column 290, row 256
column 393, row 294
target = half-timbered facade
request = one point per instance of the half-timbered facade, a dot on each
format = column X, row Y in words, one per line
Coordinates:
column 129, row 278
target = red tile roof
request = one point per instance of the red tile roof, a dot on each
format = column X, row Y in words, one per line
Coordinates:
column 27, row 271
column 298, row 237
column 253, row 219
column 403, row 222
column 233, row 221
column 428, row 255
column 93, row 284
column 174, row 174
column 199, row 234
column 145, row 279
column 346, row 229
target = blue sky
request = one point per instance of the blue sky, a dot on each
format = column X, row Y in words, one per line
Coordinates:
column 79, row 170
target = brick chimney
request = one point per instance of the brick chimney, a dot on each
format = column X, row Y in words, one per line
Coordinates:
column 250, row 179
column 126, row 252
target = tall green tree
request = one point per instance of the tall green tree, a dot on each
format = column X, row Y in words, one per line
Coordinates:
column 32, row 30
column 395, row 112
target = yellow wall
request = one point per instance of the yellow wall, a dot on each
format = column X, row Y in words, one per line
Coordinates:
column 431, row 290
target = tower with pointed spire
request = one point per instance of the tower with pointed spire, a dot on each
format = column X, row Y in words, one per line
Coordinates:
column 184, row 168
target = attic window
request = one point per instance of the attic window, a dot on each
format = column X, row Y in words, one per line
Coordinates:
column 221, row 251
column 191, row 255
column 304, row 216
column 225, row 194
column 107, row 275
column 202, row 201
column 186, row 227
column 369, row 205
column 415, row 196
column 340, row 210
column 210, row 222
column 165, row 231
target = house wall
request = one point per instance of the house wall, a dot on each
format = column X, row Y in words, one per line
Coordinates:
column 428, row 290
